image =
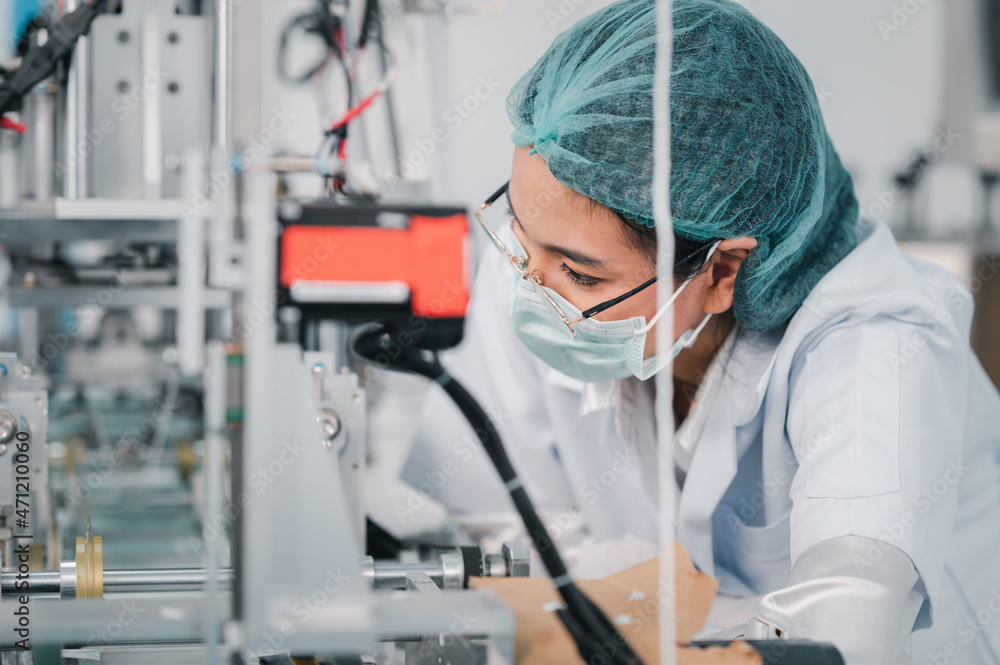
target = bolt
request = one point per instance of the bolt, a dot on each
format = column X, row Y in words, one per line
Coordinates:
column 172, row 88
column 122, row 86
column 329, row 424
column 173, row 38
column 518, row 558
column 317, row 372
column 8, row 427
column 123, row 37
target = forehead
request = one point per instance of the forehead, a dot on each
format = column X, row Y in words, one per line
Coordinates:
column 555, row 214
column 535, row 193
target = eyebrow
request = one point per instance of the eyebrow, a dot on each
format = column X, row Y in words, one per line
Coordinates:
column 572, row 255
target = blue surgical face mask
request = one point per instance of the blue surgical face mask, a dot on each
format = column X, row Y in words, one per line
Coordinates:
column 601, row 350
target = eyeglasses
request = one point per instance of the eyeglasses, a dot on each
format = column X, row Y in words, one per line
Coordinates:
column 520, row 264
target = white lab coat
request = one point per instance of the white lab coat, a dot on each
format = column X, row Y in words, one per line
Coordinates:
column 867, row 415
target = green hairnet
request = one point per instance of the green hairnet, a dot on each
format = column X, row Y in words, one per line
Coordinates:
column 750, row 153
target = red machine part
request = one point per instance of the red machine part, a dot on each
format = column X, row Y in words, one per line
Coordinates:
column 430, row 256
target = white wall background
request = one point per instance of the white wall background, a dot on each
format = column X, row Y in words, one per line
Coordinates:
column 882, row 92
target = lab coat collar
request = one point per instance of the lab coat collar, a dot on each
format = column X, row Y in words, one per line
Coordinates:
column 747, row 370
column 713, row 468
column 730, row 396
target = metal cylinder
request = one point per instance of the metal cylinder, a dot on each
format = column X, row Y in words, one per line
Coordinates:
column 77, row 117
column 64, row 582
column 66, row 579
column 448, row 572
column 169, row 579
column 392, row 575
column 222, row 117
column 383, row 575
column 43, row 133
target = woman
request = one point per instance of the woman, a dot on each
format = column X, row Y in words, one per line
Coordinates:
column 838, row 444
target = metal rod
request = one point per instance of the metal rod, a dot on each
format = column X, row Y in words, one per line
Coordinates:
column 75, row 183
column 167, row 579
column 170, row 579
column 44, row 146
column 386, row 575
column 222, row 118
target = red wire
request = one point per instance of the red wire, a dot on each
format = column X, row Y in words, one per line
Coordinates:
column 338, row 35
column 356, row 111
column 10, row 124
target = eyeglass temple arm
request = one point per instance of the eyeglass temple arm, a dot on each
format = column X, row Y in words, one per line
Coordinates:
column 608, row 304
column 497, row 194
column 597, row 309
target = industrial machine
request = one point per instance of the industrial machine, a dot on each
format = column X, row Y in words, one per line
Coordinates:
column 182, row 446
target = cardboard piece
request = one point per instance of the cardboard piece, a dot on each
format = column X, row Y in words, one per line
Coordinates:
column 631, row 600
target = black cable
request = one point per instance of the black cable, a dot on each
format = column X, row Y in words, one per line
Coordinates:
column 31, row 28
column 39, row 62
column 319, row 22
column 370, row 19
column 589, row 627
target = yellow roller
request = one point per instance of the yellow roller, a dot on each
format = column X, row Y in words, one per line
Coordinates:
column 187, row 459
column 89, row 568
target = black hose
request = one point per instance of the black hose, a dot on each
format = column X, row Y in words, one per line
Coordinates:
column 40, row 61
column 589, row 627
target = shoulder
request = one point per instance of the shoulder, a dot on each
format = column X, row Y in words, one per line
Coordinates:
column 878, row 287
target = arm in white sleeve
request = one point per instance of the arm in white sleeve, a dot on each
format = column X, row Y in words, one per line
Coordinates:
column 860, row 594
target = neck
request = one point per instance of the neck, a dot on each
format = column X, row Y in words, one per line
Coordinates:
column 691, row 365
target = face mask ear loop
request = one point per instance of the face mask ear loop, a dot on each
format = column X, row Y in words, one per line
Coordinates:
column 690, row 336
column 673, row 297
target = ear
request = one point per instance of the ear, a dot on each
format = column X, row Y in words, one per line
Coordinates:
column 725, row 263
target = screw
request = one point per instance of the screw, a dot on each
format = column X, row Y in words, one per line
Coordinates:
column 173, row 38
column 122, row 86
column 329, row 424
column 8, row 427
column 173, row 88
column 123, row 37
